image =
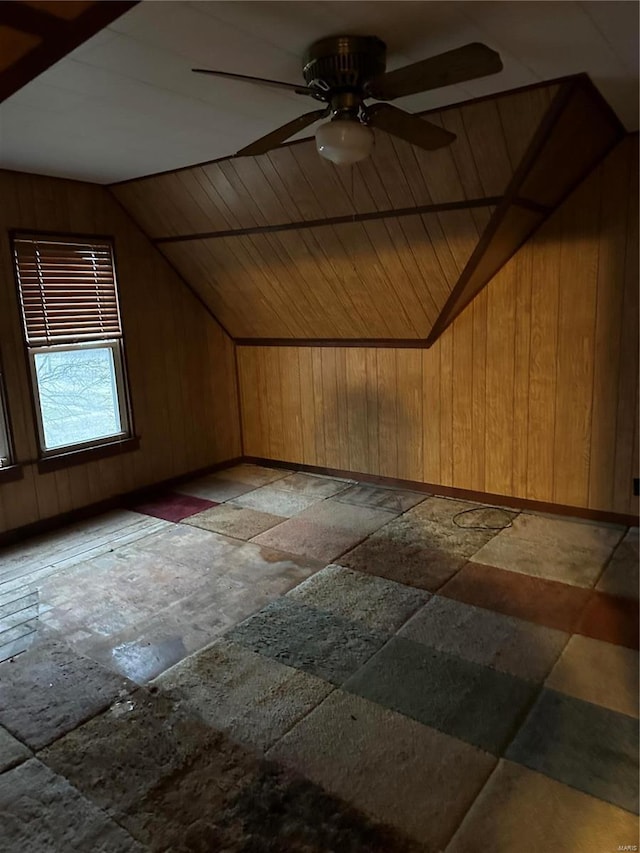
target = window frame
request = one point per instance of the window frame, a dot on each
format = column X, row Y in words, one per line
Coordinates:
column 79, row 452
column 6, row 436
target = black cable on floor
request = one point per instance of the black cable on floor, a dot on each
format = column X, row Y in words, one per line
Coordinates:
column 509, row 516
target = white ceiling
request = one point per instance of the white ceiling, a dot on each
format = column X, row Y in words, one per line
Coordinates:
column 126, row 104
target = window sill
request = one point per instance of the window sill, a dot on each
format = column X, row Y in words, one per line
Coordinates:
column 89, row 454
column 10, row 473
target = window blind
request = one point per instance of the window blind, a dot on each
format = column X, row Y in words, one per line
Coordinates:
column 67, row 289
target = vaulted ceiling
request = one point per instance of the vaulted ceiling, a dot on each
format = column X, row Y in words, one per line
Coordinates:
column 288, row 246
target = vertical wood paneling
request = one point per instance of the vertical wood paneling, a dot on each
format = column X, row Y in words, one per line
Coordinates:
column 478, row 309
column 626, row 427
column 576, row 335
column 522, row 356
column 531, row 392
column 180, row 362
column 431, row 413
column 499, row 384
column 462, row 387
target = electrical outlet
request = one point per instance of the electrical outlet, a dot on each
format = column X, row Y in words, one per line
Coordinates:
column 636, row 487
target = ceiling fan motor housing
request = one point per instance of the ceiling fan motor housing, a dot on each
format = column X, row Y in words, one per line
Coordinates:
column 343, row 64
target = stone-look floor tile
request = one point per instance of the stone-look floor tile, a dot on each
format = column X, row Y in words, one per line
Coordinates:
column 393, row 500
column 315, row 541
column 474, row 703
column 583, row 745
column 276, row 501
column 610, row 618
column 155, row 768
column 235, row 521
column 572, row 552
column 253, row 475
column 521, row 810
column 383, row 606
column 392, row 768
column 42, row 813
column 395, row 553
column 49, row 690
column 549, row 603
column 598, row 672
column 214, row 488
column 252, row 698
column 12, row 752
column 323, row 644
column 622, row 574
column 308, row 484
column 359, row 520
column 485, row 637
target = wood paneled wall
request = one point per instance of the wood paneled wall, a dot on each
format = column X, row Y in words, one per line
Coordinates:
column 181, row 363
column 532, row 392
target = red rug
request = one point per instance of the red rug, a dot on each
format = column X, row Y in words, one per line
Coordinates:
column 172, row 506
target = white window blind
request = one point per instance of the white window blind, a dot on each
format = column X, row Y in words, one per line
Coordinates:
column 67, row 290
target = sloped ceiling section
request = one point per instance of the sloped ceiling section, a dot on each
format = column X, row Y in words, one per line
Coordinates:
column 286, row 246
column 36, row 33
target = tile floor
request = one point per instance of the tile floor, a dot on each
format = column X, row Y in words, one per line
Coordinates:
column 265, row 660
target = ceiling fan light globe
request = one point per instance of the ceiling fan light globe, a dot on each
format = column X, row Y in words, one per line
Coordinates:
column 344, row 141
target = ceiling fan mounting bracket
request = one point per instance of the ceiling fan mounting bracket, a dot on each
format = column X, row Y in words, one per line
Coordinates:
column 343, row 64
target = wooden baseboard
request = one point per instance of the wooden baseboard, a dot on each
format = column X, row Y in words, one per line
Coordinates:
column 44, row 525
column 507, row 501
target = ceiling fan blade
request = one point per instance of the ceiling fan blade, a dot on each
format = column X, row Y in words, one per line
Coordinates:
column 454, row 66
column 261, row 81
column 411, row 128
column 281, row 134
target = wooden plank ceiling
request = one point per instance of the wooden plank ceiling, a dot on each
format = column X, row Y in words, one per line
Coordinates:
column 36, row 33
column 286, row 246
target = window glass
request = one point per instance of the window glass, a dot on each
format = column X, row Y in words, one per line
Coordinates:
column 78, row 395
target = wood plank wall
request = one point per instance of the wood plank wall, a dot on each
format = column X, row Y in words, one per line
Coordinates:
column 181, row 363
column 532, row 392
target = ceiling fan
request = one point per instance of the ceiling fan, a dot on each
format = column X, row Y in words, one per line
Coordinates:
column 344, row 72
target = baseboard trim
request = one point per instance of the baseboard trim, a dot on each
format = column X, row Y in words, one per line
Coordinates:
column 45, row 525
column 18, row 534
column 451, row 492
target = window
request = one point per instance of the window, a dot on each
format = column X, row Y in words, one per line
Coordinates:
column 72, row 329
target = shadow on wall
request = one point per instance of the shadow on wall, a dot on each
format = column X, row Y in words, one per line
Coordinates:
column 362, row 423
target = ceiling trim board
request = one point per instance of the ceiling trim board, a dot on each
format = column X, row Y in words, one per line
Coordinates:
column 458, row 105
column 458, row 300
column 60, row 40
column 172, row 266
column 465, row 204
column 29, row 19
column 534, row 206
column 373, row 343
